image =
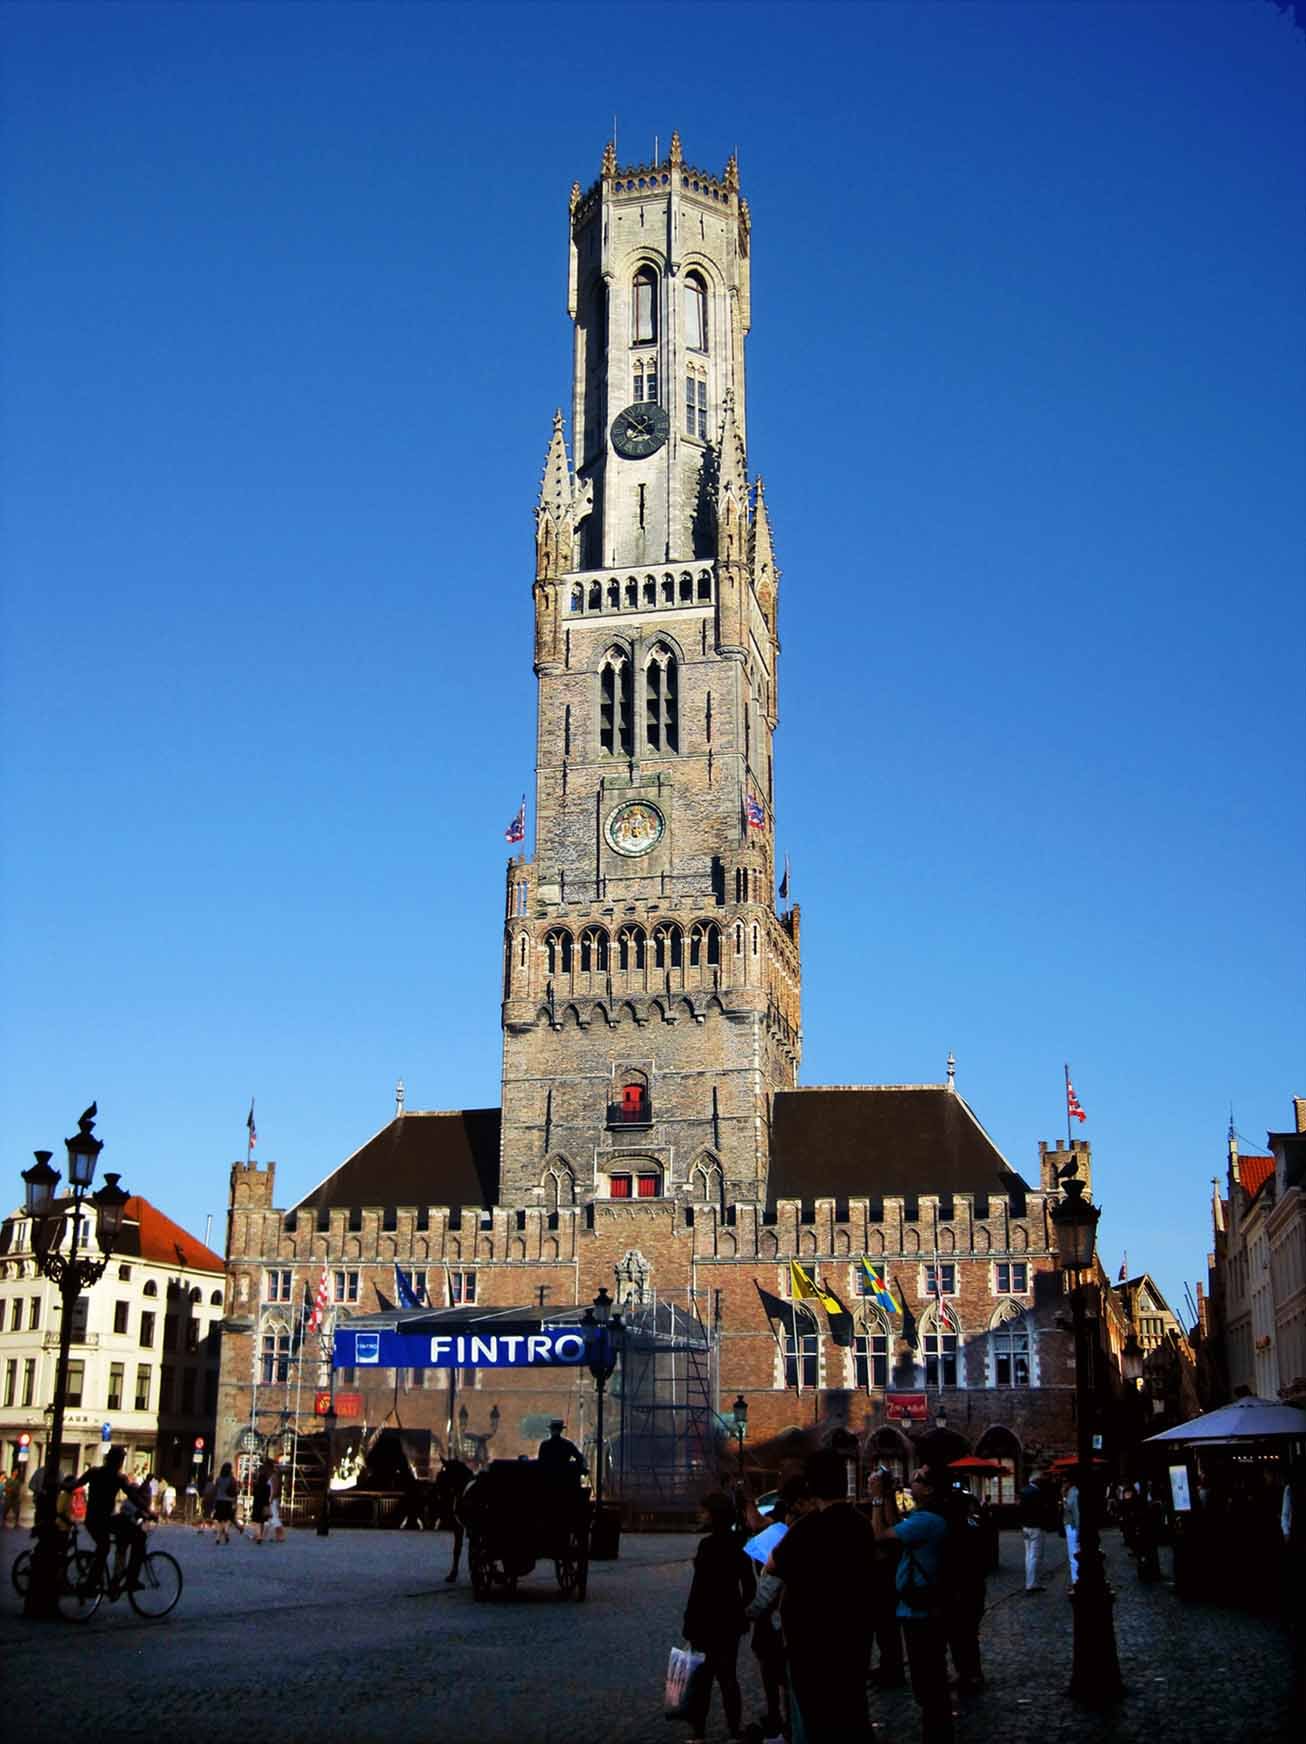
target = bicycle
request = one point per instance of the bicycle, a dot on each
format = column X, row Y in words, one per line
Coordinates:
column 88, row 1580
column 20, row 1572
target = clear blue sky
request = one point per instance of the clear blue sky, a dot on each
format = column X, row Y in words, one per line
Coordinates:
column 284, row 327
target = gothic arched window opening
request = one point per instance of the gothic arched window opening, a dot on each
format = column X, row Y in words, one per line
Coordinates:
column 557, row 947
column 630, row 948
column 668, row 947
column 644, row 308
column 661, row 701
column 593, row 950
column 939, row 1347
column 695, row 313
column 1009, row 1337
column 871, row 1352
column 616, row 733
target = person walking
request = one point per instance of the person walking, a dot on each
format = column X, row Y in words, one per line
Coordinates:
column 13, row 1497
column 261, row 1500
column 224, row 1504
column 922, row 1595
column 767, row 1639
column 1070, row 1520
column 1033, row 1518
column 827, row 1563
column 723, row 1585
column 275, row 1478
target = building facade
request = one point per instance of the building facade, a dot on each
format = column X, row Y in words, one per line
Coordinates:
column 652, row 1137
column 144, row 1358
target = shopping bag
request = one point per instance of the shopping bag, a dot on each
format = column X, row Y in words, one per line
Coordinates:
column 681, row 1669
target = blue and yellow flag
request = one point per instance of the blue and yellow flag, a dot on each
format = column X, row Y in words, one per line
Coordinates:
column 879, row 1290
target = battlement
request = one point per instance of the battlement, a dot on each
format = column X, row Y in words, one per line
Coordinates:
column 658, row 177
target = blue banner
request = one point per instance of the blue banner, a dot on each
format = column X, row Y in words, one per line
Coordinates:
column 547, row 1347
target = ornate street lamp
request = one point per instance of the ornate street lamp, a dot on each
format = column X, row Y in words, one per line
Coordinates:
column 1095, row 1675
column 739, row 1414
column 605, row 1337
column 71, row 1273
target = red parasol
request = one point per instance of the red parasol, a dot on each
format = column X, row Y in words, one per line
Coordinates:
column 970, row 1463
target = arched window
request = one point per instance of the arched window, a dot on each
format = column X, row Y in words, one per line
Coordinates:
column 739, row 938
column 616, row 730
column 754, row 938
column 644, row 307
column 614, row 595
column 596, row 597
column 630, row 948
column 661, row 700
column 632, row 592
column 578, row 598
column 686, row 590
column 151, row 1289
column 668, row 591
column 704, row 585
column 871, row 1351
column 668, row 947
column 695, row 313
column 593, row 950
column 650, row 591
column 939, row 1346
column 632, row 1107
column 696, row 402
column 557, row 947
column 1009, row 1337
column 521, row 953
column 215, row 1300
column 713, row 933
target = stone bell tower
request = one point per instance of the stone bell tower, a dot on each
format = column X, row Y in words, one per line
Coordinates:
column 651, row 988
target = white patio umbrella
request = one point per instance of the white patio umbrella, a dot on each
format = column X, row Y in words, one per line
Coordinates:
column 1248, row 1419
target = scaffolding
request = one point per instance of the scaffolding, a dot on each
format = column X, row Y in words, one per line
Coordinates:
column 665, row 1388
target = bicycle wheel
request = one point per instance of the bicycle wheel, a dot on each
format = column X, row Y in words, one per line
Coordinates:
column 21, row 1573
column 80, row 1587
column 160, row 1585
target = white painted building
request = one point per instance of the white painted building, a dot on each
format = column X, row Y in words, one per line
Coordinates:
column 145, row 1346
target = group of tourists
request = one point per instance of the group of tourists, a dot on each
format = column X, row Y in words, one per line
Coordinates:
column 220, row 1505
column 838, row 1582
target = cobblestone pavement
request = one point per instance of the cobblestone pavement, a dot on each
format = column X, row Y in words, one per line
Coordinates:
column 356, row 1637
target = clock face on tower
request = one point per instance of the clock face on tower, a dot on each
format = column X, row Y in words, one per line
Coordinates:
column 635, row 827
column 640, row 430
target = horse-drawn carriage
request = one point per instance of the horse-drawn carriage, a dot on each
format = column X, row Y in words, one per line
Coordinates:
column 517, row 1513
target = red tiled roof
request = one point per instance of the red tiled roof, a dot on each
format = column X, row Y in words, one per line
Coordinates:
column 1254, row 1172
column 166, row 1242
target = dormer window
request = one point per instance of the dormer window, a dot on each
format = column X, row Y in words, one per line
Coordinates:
column 644, row 311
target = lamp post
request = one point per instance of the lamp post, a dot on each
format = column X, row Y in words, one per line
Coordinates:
column 71, row 1273
column 739, row 1415
column 605, row 1334
column 1095, row 1674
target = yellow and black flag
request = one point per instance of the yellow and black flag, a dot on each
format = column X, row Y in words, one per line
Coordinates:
column 804, row 1288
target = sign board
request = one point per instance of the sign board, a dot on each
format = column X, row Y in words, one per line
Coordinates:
column 347, row 1404
column 1097, row 1444
column 906, row 1407
column 106, row 1432
column 1179, row 1489
column 548, row 1347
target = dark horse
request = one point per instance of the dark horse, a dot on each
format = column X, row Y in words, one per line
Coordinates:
column 446, row 1494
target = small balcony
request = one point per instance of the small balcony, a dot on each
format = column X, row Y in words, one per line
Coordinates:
column 630, row 1114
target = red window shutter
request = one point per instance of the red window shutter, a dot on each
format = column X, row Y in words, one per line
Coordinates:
column 632, row 1100
column 621, row 1186
column 648, row 1186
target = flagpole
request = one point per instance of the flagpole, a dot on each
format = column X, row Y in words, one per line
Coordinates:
column 1069, row 1141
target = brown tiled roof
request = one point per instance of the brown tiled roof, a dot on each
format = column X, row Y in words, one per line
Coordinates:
column 866, row 1140
column 165, row 1242
column 447, row 1158
column 1254, row 1172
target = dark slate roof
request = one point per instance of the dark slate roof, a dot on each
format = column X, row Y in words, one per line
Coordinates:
column 419, row 1159
column 860, row 1141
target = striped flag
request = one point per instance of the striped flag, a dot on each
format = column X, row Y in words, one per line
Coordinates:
column 878, row 1287
column 249, row 1128
column 754, row 813
column 1073, row 1109
column 321, row 1302
column 516, row 830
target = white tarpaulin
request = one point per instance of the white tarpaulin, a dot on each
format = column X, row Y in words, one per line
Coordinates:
column 1249, row 1419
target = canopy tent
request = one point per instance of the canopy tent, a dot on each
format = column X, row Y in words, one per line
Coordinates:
column 1249, row 1419
column 971, row 1464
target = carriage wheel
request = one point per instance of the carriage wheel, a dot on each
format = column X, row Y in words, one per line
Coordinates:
column 567, row 1569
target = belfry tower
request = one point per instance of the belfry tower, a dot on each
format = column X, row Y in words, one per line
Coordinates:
column 651, row 989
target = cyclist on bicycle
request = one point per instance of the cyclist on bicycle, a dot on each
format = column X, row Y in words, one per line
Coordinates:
column 123, row 1528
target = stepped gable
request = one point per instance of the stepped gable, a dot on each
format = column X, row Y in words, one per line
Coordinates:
column 859, row 1140
column 449, row 1157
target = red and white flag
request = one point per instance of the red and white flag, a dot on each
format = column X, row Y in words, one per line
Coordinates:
column 321, row 1302
column 1073, row 1110
column 516, row 830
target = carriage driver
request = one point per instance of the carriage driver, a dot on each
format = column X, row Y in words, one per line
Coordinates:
column 559, row 1457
